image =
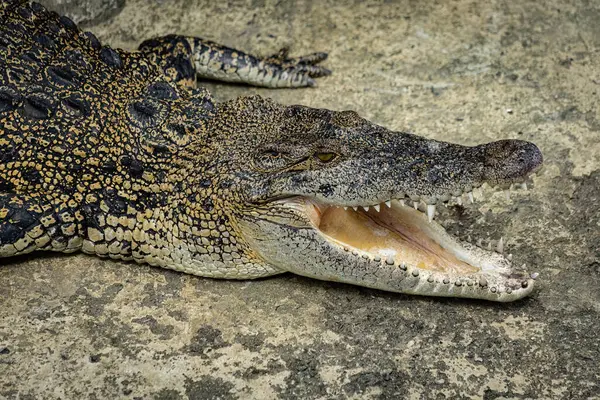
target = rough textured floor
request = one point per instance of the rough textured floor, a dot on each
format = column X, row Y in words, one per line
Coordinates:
column 79, row 327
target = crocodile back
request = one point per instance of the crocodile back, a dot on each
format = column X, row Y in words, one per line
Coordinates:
column 77, row 116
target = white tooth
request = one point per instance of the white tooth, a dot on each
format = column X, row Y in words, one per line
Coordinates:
column 524, row 185
column 389, row 203
column 402, row 203
column 480, row 242
column 366, row 208
column 389, row 260
column 469, row 239
column 490, row 246
column 500, row 246
column 507, row 194
column 430, row 211
column 355, row 208
column 523, row 266
column 376, row 207
column 345, row 208
column 471, row 199
column 459, row 201
column 416, row 205
column 509, row 257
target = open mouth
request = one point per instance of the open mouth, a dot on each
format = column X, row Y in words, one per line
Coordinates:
column 402, row 236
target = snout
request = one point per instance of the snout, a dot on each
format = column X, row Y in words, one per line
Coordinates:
column 509, row 161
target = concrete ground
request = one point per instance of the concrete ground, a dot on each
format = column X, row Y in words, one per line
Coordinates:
column 467, row 71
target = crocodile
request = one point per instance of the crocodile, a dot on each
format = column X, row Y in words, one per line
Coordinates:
column 122, row 154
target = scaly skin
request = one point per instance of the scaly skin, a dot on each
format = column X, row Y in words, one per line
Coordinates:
column 117, row 154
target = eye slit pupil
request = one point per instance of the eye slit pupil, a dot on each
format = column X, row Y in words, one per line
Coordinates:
column 272, row 153
column 325, row 157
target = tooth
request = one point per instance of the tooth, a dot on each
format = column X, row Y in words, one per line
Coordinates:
column 523, row 267
column 471, row 199
column 416, row 205
column 389, row 203
column 459, row 201
column 389, row 260
column 480, row 242
column 509, row 257
column 469, row 239
column 376, row 207
column 490, row 246
column 355, row 208
column 500, row 246
column 345, row 208
column 430, row 211
column 402, row 203
column 507, row 194
column 366, row 208
column 524, row 185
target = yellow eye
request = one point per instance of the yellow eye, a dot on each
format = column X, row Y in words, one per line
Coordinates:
column 325, row 157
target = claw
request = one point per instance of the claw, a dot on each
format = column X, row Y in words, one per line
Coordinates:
column 311, row 59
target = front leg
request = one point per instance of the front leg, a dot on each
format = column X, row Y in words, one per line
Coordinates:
column 184, row 58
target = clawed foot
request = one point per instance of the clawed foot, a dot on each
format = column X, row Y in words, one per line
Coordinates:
column 305, row 66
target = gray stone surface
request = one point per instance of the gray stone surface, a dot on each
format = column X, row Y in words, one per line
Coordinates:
column 465, row 71
column 85, row 12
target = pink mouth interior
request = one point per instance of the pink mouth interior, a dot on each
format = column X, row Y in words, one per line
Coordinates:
column 399, row 233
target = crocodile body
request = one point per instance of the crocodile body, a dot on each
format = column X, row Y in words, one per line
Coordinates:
column 119, row 155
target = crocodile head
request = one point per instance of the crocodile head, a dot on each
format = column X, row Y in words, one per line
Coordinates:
column 322, row 194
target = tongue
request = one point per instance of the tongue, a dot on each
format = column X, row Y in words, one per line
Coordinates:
column 391, row 233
